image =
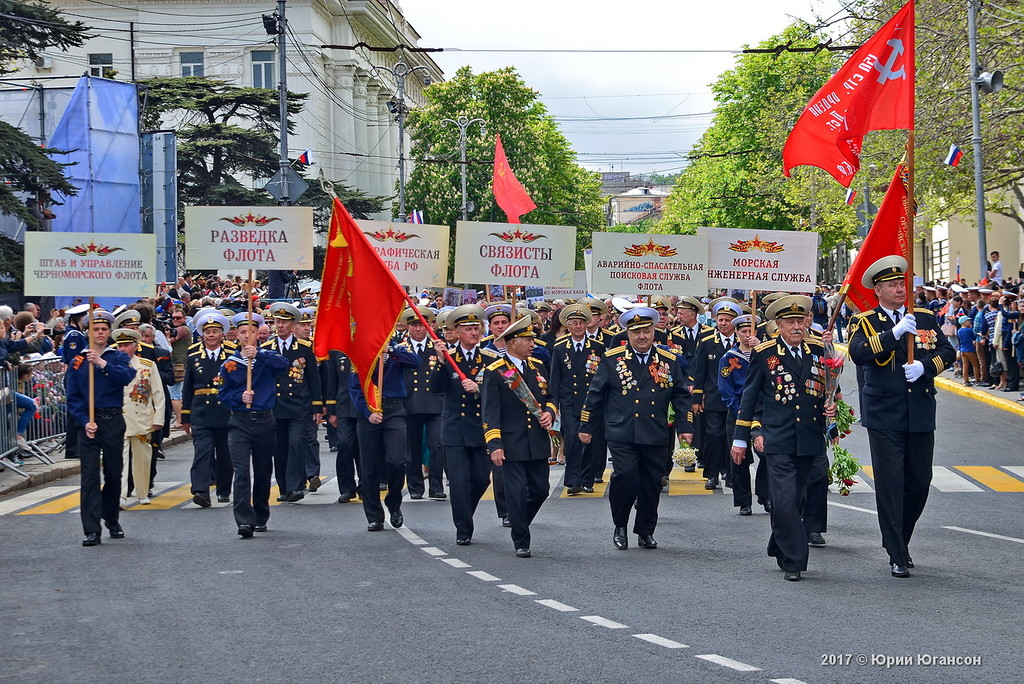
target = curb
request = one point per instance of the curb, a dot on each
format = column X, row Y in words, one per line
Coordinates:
column 980, row 395
column 40, row 473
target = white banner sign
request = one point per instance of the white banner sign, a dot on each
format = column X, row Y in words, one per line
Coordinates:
column 416, row 253
column 635, row 263
column 775, row 260
column 553, row 293
column 515, row 254
column 249, row 238
column 90, row 264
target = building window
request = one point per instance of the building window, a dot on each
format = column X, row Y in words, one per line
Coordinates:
column 940, row 261
column 191, row 63
column 263, row 69
column 101, row 64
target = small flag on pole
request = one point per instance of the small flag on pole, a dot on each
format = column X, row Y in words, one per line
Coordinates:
column 958, row 269
column 954, row 156
column 416, row 216
column 306, row 158
column 851, row 195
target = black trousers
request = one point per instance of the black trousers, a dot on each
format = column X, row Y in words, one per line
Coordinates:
column 346, row 461
column 595, row 458
column 251, row 442
column 815, row 508
column 425, row 431
column 211, row 460
column 291, row 453
column 788, row 477
column 313, row 453
column 714, row 449
column 903, row 472
column 382, row 452
column 575, row 450
column 762, row 488
column 71, row 432
column 526, row 488
column 636, row 479
column 469, row 473
column 739, row 474
column 104, row 450
column 498, row 480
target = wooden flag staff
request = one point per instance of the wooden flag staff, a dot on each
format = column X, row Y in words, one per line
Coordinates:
column 252, row 362
column 909, row 303
column 92, row 367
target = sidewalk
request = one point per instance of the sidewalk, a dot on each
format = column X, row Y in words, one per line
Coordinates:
column 41, row 473
column 1004, row 400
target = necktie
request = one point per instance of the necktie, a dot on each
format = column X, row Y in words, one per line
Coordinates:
column 728, row 342
column 896, row 316
column 579, row 347
column 213, row 355
column 796, row 352
column 691, row 333
column 642, row 358
column 282, row 346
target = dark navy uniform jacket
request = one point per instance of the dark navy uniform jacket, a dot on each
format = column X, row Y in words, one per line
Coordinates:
column 572, row 371
column 507, row 423
column 200, row 393
column 732, row 376
column 632, row 401
column 109, row 383
column 417, row 380
column 888, row 401
column 339, row 368
column 400, row 357
column 461, row 422
column 299, row 393
column 704, row 371
column 268, row 365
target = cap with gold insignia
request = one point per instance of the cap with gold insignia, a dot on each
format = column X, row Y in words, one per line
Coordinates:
column 442, row 316
column 127, row 317
column 101, row 316
column 597, row 307
column 521, row 328
column 532, row 315
column 126, row 336
column 498, row 310
column 771, row 297
column 542, row 306
column 306, row 314
column 688, row 302
column 887, row 268
column 575, row 311
column 660, row 302
column 726, row 305
column 215, row 320
column 790, row 306
column 639, row 317
column 283, row 311
column 409, row 316
column 243, row 319
column 467, row 314
column 746, row 321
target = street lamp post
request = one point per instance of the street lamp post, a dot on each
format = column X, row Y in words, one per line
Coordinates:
column 464, row 122
column 397, row 107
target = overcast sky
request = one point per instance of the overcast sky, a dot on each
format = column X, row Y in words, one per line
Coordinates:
column 604, row 87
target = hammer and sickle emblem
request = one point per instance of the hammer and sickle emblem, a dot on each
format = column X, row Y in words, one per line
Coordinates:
column 885, row 71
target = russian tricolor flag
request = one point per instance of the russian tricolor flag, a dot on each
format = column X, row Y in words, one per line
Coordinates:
column 954, row 156
column 851, row 194
column 306, row 158
column 416, row 216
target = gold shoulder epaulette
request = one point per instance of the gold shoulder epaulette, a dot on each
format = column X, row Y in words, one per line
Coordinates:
column 269, row 344
column 562, row 342
column 708, row 337
column 496, row 365
column 615, row 351
column 489, row 352
column 666, row 353
column 918, row 309
column 539, row 342
column 306, row 343
column 768, row 344
column 146, row 362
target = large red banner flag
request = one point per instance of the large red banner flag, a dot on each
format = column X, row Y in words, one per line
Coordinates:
column 508, row 191
column 874, row 90
column 889, row 235
column 360, row 301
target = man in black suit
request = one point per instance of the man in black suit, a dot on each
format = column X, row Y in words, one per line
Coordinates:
column 707, row 400
column 517, row 439
column 684, row 340
column 630, row 396
column 423, row 409
column 343, row 418
column 898, row 402
column 783, row 411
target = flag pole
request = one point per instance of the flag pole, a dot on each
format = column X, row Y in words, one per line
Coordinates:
column 92, row 371
column 433, row 335
column 252, row 362
column 839, row 307
column 910, row 237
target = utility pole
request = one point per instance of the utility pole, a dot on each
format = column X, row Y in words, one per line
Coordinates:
column 464, row 122
column 282, row 100
column 397, row 107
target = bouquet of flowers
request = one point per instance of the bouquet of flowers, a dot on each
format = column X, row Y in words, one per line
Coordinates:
column 514, row 380
column 684, row 456
column 844, row 466
column 834, row 361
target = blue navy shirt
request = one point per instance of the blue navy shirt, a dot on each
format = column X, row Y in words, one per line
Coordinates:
column 268, row 365
column 74, row 342
column 400, row 357
column 732, row 376
column 110, row 382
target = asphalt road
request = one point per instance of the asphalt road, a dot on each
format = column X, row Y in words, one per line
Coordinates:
column 317, row 598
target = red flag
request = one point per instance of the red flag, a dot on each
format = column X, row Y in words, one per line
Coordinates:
column 889, row 234
column 873, row 91
column 508, row 191
column 360, row 301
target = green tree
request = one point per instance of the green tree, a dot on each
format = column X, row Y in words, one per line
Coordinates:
column 540, row 155
column 26, row 169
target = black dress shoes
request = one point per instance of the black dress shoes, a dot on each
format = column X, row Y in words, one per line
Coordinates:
column 588, row 490
column 505, row 522
column 283, row 497
column 574, row 490
column 910, row 562
column 690, row 469
column 223, row 499
column 815, row 539
column 397, row 519
column 767, row 507
column 463, row 541
column 646, row 541
column 620, row 539
column 523, row 553
column 899, row 570
column 712, row 483
column 116, row 531
column 346, row 497
column 260, row 528
column 201, row 499
column 91, row 539
column 599, row 480
column 245, row 531
column 438, row 496
column 792, row 575
column 415, row 497
column 314, row 484
column 745, row 510
column 295, row 496
column 375, row 527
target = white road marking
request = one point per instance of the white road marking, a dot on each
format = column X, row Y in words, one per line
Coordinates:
column 787, row 680
column 554, row 482
column 852, row 508
column 33, row 498
column 984, row 534
column 603, row 622
column 660, row 641
column 433, row 551
column 481, row 575
column 557, row 605
column 455, row 562
column 946, row 480
column 1016, row 470
column 516, row 589
column 728, row 662
column 410, row 536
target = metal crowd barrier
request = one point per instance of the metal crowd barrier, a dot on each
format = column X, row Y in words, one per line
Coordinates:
column 42, row 380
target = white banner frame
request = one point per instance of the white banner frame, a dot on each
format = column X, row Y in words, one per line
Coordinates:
column 276, row 238
column 649, row 264
column 515, row 254
column 766, row 260
column 119, row 265
column 416, row 253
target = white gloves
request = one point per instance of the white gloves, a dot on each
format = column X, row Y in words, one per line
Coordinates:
column 913, row 371
column 907, row 324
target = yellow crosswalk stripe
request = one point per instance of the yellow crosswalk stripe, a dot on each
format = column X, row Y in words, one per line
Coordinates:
column 275, row 492
column 599, row 489
column 170, row 499
column 869, row 471
column 682, row 483
column 59, row 505
column 993, row 478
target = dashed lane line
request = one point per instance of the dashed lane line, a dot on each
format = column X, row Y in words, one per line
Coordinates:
column 852, row 508
column 660, row 641
column 455, row 562
column 727, row 662
column 603, row 622
column 433, row 551
column 516, row 589
column 787, row 680
column 557, row 605
column 984, row 534
column 411, row 536
column 484, row 576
